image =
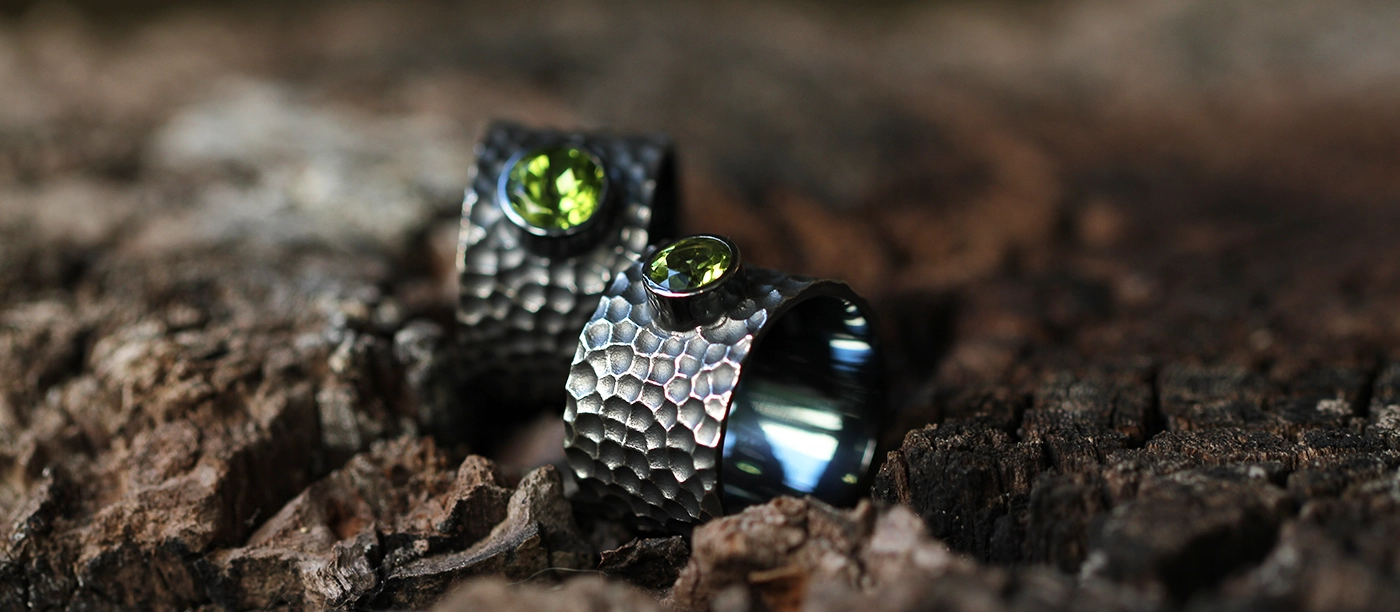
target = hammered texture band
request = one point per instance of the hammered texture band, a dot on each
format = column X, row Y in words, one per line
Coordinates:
column 524, row 298
column 653, row 409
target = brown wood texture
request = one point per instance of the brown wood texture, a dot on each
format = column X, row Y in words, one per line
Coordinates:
column 1135, row 264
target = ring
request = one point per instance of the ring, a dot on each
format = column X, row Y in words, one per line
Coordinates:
column 550, row 218
column 702, row 386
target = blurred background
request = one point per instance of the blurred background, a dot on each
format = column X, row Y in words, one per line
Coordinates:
column 1171, row 178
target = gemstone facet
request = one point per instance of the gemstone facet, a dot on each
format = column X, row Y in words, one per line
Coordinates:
column 689, row 265
column 555, row 189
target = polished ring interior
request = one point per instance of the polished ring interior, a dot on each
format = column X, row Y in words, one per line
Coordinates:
column 798, row 422
column 773, row 397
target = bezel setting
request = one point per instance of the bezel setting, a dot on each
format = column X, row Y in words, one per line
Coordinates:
column 735, row 263
column 503, row 199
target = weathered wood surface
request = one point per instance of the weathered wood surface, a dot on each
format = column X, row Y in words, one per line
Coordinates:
column 1136, row 266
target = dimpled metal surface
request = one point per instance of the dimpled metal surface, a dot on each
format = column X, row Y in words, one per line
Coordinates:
column 644, row 417
column 521, row 309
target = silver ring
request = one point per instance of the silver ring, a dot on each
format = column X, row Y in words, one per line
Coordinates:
column 701, row 386
column 534, row 256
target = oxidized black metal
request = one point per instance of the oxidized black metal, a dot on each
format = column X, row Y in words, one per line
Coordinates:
column 525, row 297
column 773, row 396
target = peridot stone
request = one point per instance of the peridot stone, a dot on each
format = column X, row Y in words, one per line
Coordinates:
column 555, row 189
column 689, row 264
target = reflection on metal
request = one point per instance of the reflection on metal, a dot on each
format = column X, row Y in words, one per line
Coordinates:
column 800, row 422
column 768, row 400
column 849, row 353
column 804, row 454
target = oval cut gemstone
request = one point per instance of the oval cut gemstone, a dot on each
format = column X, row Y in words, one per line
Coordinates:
column 689, row 264
column 555, row 189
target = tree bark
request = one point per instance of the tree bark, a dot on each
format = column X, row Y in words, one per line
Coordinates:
column 1137, row 294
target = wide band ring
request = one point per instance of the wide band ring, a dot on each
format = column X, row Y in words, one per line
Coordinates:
column 741, row 385
column 550, row 218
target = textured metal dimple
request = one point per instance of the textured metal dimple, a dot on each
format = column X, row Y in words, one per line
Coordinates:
column 521, row 311
column 661, row 413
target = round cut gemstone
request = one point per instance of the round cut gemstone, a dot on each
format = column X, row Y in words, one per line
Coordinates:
column 555, row 189
column 689, row 264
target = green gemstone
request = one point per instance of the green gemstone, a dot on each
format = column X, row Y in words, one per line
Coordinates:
column 690, row 264
column 555, row 189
